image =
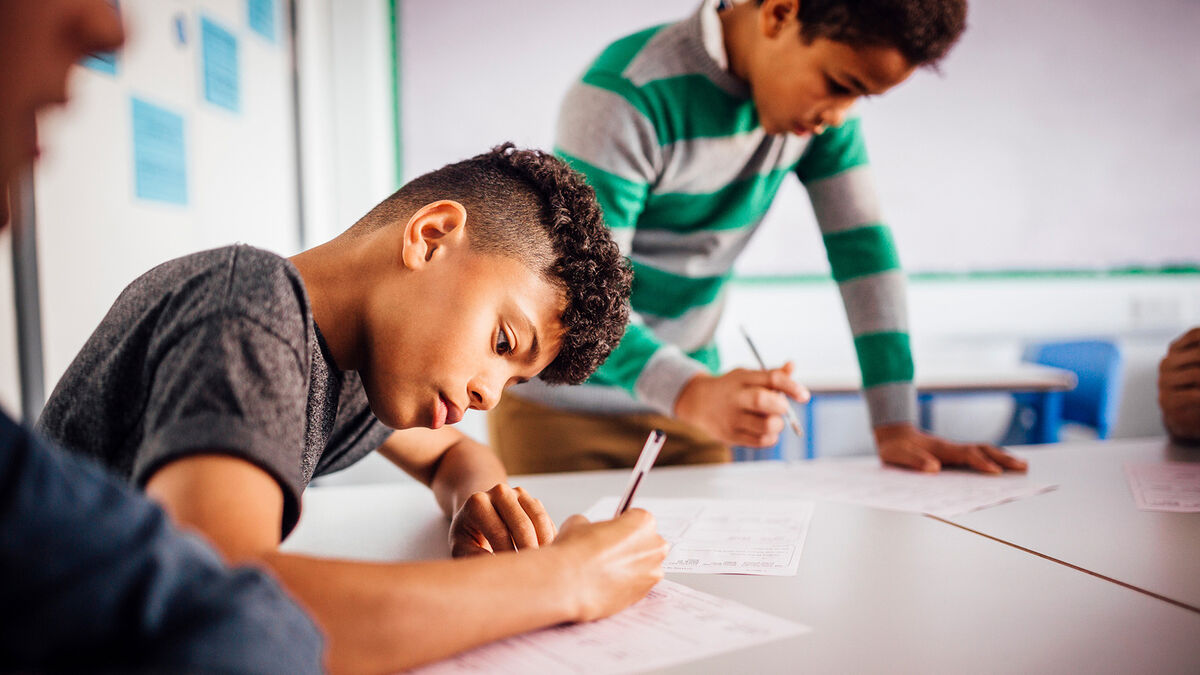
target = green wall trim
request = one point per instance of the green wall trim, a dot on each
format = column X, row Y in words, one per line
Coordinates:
column 990, row 275
column 398, row 147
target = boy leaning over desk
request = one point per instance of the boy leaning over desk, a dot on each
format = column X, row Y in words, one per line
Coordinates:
column 225, row 380
column 686, row 132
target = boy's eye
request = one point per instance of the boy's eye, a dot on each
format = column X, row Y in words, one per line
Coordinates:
column 837, row 89
column 503, row 346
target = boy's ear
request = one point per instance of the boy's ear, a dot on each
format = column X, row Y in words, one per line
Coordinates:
column 432, row 230
column 775, row 14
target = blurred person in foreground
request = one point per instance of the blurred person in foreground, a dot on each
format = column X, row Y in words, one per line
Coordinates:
column 93, row 576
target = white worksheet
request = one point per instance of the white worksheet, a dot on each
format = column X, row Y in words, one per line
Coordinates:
column 868, row 483
column 725, row 536
column 1165, row 486
column 673, row 624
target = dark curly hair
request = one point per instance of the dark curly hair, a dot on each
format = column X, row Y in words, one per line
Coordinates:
column 529, row 205
column 923, row 30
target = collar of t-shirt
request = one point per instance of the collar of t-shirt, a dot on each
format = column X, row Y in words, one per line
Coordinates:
column 710, row 31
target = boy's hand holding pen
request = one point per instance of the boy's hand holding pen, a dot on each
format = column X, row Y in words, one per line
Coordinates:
column 742, row 407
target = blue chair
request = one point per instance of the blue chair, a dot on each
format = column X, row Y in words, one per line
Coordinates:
column 1094, row 400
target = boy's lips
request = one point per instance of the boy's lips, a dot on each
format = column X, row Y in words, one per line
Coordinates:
column 446, row 412
column 800, row 129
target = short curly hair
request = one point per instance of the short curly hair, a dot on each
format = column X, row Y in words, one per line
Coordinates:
column 529, row 205
column 923, row 30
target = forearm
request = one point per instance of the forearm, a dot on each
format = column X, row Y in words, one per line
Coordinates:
column 389, row 617
column 466, row 467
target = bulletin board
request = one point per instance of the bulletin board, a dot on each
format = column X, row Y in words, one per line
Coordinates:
column 1056, row 137
column 183, row 141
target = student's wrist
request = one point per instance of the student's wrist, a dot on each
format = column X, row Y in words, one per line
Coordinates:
column 887, row 432
column 687, row 402
column 562, row 570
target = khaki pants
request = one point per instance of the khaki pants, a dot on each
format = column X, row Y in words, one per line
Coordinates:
column 533, row 438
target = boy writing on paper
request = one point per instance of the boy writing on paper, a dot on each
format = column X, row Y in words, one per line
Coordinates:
column 686, row 132
column 224, row 381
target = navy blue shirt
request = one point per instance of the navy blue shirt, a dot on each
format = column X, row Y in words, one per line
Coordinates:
column 93, row 576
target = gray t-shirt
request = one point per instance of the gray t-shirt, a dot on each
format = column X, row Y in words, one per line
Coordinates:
column 214, row 352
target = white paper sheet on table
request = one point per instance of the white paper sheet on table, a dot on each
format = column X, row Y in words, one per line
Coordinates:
column 1165, row 486
column 868, row 483
column 673, row 624
column 725, row 536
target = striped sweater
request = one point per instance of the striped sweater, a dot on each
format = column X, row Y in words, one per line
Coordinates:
column 670, row 141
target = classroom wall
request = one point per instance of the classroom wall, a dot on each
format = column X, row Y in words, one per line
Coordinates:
column 103, row 218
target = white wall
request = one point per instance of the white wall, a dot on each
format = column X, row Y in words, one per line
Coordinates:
column 1059, row 135
column 476, row 74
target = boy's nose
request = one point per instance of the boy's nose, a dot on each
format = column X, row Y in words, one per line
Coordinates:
column 834, row 116
column 483, row 395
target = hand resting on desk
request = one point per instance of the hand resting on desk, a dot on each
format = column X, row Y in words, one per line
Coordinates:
column 500, row 519
column 905, row 445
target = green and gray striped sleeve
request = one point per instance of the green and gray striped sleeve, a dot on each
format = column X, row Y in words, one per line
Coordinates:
column 862, row 254
column 605, row 134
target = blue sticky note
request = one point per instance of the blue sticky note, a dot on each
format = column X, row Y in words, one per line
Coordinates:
column 261, row 14
column 104, row 62
column 219, row 51
column 159, row 154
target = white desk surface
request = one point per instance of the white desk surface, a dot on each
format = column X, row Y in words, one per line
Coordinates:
column 1091, row 520
column 883, row 591
column 961, row 378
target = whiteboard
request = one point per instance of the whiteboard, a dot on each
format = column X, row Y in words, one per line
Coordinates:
column 95, row 234
column 1059, row 135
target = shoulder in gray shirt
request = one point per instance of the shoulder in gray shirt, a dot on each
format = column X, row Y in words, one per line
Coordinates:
column 215, row 352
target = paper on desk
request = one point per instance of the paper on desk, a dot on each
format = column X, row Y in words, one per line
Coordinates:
column 868, row 483
column 1165, row 486
column 673, row 624
column 725, row 536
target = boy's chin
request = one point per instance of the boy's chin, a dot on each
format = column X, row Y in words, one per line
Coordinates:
column 391, row 416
